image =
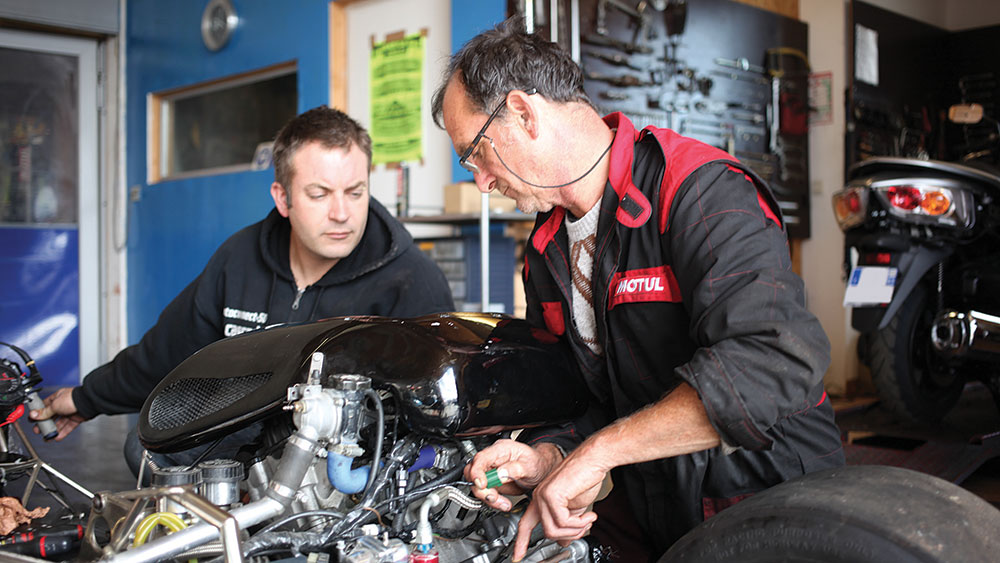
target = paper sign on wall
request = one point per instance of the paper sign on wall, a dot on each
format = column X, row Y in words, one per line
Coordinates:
column 821, row 98
column 397, row 69
column 866, row 54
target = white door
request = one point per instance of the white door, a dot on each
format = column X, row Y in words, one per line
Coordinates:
column 49, row 213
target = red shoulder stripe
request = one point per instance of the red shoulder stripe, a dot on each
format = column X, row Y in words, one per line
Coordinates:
column 768, row 212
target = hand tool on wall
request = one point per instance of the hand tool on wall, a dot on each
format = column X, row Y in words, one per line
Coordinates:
column 638, row 16
column 623, row 46
column 622, row 81
column 773, row 114
column 745, row 77
column 741, row 63
column 675, row 17
column 757, row 108
column 613, row 96
column 617, row 60
column 752, row 117
column 789, row 69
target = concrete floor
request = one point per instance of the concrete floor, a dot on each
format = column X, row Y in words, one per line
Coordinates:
column 91, row 456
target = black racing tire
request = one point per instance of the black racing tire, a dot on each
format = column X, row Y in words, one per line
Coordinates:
column 913, row 383
column 856, row 514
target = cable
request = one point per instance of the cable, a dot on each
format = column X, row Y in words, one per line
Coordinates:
column 24, row 355
column 379, row 436
column 275, row 525
column 202, row 455
column 582, row 176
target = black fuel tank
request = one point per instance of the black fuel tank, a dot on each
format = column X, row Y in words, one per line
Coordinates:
column 453, row 374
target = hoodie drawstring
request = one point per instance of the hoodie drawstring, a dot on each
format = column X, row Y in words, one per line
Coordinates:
column 270, row 292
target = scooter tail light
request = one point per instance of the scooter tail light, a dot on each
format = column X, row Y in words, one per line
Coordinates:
column 919, row 200
column 906, row 198
column 924, row 201
column 848, row 207
column 935, row 203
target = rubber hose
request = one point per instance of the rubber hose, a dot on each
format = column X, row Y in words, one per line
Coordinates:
column 379, row 436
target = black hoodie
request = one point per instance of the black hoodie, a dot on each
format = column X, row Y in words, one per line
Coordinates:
column 248, row 284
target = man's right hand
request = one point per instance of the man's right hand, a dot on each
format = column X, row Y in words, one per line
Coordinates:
column 521, row 466
column 61, row 407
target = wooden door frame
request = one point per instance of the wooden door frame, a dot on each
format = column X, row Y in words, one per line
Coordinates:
column 338, row 52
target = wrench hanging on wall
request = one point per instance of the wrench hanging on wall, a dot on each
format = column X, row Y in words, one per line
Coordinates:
column 640, row 18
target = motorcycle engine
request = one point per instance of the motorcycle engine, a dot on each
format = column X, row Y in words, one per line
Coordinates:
column 373, row 469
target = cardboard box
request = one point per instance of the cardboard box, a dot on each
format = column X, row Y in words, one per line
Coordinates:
column 464, row 197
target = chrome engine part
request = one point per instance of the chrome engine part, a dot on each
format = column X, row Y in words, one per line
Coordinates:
column 970, row 334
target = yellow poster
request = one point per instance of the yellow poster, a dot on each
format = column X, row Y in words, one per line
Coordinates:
column 397, row 69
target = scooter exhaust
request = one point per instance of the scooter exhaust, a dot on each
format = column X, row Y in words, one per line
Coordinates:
column 971, row 335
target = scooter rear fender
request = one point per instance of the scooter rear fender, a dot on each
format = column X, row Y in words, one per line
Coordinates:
column 913, row 264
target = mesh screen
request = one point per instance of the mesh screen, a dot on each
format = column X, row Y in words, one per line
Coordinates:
column 187, row 400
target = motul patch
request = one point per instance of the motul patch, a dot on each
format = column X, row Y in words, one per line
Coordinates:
column 648, row 284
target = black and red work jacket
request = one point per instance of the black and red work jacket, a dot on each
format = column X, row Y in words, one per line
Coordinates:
column 692, row 283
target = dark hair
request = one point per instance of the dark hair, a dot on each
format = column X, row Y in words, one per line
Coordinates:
column 507, row 58
column 329, row 127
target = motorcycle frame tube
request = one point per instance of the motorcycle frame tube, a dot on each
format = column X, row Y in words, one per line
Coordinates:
column 297, row 455
column 178, row 542
column 913, row 265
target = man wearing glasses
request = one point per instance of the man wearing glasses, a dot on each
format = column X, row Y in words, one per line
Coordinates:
column 663, row 263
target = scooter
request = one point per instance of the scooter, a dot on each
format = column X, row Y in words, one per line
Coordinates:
column 922, row 256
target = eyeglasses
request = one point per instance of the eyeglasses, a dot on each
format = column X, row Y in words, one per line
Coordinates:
column 464, row 161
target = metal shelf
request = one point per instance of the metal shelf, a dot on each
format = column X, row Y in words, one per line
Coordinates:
column 469, row 218
column 483, row 218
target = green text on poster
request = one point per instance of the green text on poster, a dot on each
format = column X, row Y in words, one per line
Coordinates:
column 396, row 73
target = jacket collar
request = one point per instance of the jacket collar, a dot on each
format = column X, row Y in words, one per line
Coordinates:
column 634, row 208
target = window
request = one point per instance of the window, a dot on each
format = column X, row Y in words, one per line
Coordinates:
column 215, row 127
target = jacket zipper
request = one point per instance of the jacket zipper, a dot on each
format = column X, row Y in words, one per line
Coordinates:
column 298, row 297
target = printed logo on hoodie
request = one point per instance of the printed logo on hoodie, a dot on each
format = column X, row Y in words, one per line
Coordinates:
column 254, row 319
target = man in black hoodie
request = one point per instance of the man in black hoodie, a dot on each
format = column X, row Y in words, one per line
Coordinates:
column 327, row 249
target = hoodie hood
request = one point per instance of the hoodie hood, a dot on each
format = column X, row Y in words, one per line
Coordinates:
column 384, row 240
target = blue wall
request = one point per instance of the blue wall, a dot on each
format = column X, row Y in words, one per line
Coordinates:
column 176, row 225
column 467, row 20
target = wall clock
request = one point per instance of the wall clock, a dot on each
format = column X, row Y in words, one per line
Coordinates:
column 218, row 22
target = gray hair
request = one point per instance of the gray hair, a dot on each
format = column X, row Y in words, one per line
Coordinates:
column 507, row 58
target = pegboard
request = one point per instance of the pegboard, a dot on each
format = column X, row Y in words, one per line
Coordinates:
column 728, row 74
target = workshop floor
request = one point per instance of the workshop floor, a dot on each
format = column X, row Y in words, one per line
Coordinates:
column 90, row 456
column 964, row 448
